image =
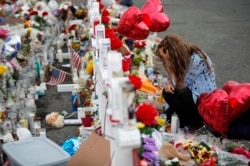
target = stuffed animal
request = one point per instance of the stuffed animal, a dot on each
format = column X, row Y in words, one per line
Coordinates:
column 54, row 119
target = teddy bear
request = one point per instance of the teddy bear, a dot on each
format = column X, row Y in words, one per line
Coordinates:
column 54, row 119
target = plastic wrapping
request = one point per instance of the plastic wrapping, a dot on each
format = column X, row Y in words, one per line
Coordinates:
column 71, row 145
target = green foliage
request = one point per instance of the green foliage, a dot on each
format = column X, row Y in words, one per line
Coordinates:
column 137, row 59
column 147, row 130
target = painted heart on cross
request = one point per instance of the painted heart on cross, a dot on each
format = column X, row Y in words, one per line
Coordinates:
column 220, row 107
column 159, row 21
column 132, row 24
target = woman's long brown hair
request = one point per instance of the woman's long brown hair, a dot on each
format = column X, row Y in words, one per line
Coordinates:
column 180, row 53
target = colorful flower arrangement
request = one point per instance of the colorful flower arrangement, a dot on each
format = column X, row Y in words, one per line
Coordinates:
column 86, row 90
column 139, row 53
column 37, row 19
column 202, row 154
column 89, row 67
column 148, row 122
column 87, row 63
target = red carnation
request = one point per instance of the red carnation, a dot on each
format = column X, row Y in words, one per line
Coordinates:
column 135, row 80
column 72, row 27
column 105, row 19
column 101, row 6
column 146, row 113
column 126, row 64
column 33, row 13
column 116, row 43
column 45, row 13
column 105, row 12
column 139, row 44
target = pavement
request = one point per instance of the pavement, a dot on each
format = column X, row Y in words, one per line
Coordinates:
column 220, row 28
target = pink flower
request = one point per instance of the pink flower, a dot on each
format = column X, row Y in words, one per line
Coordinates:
column 4, row 33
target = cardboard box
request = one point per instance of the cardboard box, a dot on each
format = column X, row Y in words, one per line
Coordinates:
column 95, row 151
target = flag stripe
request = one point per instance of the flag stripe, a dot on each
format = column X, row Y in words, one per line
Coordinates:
column 57, row 77
column 76, row 60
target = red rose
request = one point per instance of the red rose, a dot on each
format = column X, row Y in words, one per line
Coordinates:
column 101, row 6
column 105, row 19
column 105, row 12
column 146, row 113
column 45, row 13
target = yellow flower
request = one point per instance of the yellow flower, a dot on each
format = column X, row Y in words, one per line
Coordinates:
column 29, row 31
column 140, row 125
column 201, row 152
column 161, row 121
column 89, row 67
column 160, row 99
column 3, row 69
column 27, row 23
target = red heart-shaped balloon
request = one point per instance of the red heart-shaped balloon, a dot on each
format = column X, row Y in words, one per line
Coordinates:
column 214, row 109
column 220, row 107
column 239, row 98
column 132, row 24
column 159, row 21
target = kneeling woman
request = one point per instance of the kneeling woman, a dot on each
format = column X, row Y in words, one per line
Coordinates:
column 190, row 72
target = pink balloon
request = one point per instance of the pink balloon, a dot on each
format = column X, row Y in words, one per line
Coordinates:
column 132, row 24
column 159, row 21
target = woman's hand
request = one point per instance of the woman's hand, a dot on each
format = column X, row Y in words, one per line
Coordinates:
column 169, row 88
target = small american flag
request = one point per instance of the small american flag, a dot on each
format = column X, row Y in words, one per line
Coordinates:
column 57, row 77
column 76, row 60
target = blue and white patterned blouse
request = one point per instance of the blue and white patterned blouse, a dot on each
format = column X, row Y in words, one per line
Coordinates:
column 198, row 78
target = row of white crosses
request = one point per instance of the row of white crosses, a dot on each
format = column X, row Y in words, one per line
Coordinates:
column 118, row 125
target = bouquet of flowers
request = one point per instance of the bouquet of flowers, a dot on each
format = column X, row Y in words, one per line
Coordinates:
column 202, row 154
column 149, row 122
